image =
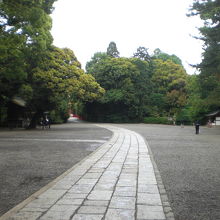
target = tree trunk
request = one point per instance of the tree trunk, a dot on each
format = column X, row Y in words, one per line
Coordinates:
column 34, row 120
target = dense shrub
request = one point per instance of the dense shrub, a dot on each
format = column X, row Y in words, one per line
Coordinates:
column 58, row 117
column 157, row 120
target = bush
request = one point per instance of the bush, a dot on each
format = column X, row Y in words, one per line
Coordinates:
column 157, row 120
column 58, row 117
column 184, row 117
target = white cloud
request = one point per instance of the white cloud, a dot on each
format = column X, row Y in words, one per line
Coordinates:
column 88, row 26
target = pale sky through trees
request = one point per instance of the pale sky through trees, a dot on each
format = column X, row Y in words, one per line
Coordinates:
column 88, row 26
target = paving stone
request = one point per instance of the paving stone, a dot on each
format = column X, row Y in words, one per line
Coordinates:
column 96, row 170
column 100, row 195
column 81, row 188
column 92, row 175
column 70, row 201
column 122, row 202
column 115, row 165
column 87, row 181
column 101, row 165
column 126, row 189
column 92, row 186
column 63, row 185
column 76, row 195
column 104, row 186
column 150, row 212
column 34, row 209
column 149, row 199
column 164, row 197
column 147, row 181
column 128, row 170
column 59, row 212
column 148, row 188
column 129, row 176
column 126, row 182
column 71, row 177
column 120, row 214
column 108, row 179
column 25, row 216
column 167, row 209
column 124, row 194
column 92, row 210
column 96, row 203
column 52, row 194
column 132, row 162
column 87, row 217
column 42, row 203
column 78, row 171
column 130, row 166
column 112, row 173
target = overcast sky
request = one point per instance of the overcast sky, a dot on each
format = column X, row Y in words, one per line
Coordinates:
column 88, row 26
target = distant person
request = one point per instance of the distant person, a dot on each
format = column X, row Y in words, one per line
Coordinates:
column 197, row 124
column 209, row 124
column 182, row 125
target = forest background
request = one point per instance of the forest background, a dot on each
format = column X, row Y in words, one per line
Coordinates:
column 150, row 88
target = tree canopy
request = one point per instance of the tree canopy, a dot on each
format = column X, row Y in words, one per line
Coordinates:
column 24, row 28
column 209, row 78
column 137, row 87
column 112, row 50
column 113, row 88
column 46, row 77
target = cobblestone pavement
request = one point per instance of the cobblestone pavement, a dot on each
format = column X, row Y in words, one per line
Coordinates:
column 117, row 181
column 189, row 166
column 30, row 159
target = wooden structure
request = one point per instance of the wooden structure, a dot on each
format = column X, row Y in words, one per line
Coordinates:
column 214, row 117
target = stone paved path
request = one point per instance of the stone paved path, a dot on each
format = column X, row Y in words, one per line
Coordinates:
column 116, row 182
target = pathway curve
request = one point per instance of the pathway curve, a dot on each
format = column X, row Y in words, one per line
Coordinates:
column 116, row 182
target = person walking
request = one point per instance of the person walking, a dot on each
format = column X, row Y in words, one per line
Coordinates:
column 197, row 124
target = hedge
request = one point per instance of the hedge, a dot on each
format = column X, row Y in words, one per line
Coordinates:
column 157, row 120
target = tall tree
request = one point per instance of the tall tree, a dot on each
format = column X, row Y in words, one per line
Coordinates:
column 158, row 54
column 209, row 12
column 25, row 32
column 170, row 80
column 117, row 76
column 97, row 58
column 143, row 88
column 112, row 50
column 58, row 78
column 142, row 53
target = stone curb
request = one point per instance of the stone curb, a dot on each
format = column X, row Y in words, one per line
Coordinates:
column 48, row 186
column 164, row 198
column 119, row 180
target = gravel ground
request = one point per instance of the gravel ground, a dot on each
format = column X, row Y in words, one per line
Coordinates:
column 189, row 165
column 31, row 159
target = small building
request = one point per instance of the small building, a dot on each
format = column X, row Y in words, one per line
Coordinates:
column 214, row 117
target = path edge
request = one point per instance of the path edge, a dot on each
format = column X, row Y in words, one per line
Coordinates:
column 32, row 197
column 163, row 194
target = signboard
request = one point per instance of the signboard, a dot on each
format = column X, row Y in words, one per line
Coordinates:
column 217, row 121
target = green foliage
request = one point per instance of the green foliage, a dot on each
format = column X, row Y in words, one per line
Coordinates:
column 142, row 53
column 112, row 50
column 60, row 114
column 58, row 80
column 158, row 54
column 25, row 34
column 98, row 57
column 209, row 78
column 157, row 120
column 169, row 79
column 137, row 87
column 184, row 117
column 118, row 77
